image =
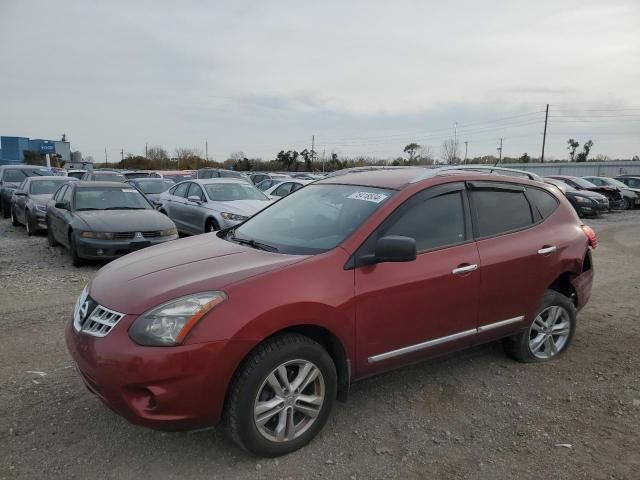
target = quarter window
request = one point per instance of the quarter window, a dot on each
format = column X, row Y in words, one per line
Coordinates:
column 500, row 211
column 434, row 223
column 545, row 202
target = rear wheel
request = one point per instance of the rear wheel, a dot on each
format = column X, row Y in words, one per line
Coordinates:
column 626, row 204
column 211, row 225
column 550, row 333
column 282, row 396
column 31, row 229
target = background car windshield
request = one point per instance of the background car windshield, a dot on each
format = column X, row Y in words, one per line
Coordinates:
column 18, row 175
column 583, row 183
column 616, row 183
column 314, row 219
column 228, row 192
column 563, row 187
column 45, row 187
column 110, row 177
column 110, row 199
column 154, row 186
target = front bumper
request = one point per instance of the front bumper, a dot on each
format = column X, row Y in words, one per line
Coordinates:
column 91, row 248
column 167, row 388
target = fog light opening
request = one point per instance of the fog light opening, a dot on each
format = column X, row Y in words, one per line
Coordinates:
column 100, row 251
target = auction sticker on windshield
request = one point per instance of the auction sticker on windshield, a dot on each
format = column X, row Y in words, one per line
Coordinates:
column 368, row 196
column 129, row 190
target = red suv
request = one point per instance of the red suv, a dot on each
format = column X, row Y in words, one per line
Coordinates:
column 266, row 324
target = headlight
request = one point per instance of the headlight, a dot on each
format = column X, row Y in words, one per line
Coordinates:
column 582, row 199
column 170, row 323
column 233, row 216
column 41, row 208
column 98, row 235
column 168, row 232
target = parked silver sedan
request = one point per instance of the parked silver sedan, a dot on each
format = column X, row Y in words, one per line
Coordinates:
column 207, row 205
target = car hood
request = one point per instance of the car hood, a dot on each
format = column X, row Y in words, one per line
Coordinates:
column 588, row 194
column 125, row 220
column 139, row 281
column 246, row 208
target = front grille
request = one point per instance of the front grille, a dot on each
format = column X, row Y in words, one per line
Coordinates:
column 124, row 235
column 152, row 234
column 94, row 319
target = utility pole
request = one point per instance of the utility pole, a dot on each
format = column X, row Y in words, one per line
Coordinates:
column 206, row 150
column 146, row 151
column 122, row 156
column 313, row 146
column 466, row 144
column 323, row 162
column 106, row 158
column 544, row 135
column 500, row 150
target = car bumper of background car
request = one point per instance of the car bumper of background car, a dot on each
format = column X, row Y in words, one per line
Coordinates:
column 41, row 220
column 166, row 388
column 227, row 223
column 90, row 248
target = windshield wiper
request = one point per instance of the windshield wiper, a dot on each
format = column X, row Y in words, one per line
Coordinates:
column 252, row 243
column 88, row 208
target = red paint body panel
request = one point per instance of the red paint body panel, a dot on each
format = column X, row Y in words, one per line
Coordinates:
column 369, row 310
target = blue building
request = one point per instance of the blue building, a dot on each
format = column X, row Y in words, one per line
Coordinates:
column 12, row 149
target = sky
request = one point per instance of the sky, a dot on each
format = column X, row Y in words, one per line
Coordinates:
column 363, row 77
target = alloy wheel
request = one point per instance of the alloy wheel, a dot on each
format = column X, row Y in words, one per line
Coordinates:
column 289, row 401
column 549, row 332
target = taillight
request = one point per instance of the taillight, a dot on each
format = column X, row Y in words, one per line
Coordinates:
column 591, row 235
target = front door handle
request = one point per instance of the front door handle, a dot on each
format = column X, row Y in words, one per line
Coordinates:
column 461, row 270
column 547, row 250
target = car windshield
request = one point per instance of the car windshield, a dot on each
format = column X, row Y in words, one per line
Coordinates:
column 179, row 178
column 582, row 183
column 131, row 175
column 228, row 192
column 268, row 183
column 616, row 183
column 154, row 186
column 312, row 220
column 17, row 175
column 110, row 177
column 110, row 198
column 45, row 187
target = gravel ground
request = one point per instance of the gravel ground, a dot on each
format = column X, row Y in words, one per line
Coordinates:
column 475, row 414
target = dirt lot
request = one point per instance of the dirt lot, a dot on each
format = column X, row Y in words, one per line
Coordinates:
column 471, row 415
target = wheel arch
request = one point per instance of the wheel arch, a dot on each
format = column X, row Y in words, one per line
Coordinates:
column 563, row 284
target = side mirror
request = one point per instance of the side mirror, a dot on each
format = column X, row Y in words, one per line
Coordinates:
column 194, row 199
column 393, row 248
column 62, row 205
column 20, row 192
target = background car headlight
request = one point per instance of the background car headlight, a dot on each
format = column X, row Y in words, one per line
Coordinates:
column 168, row 232
column 169, row 324
column 233, row 216
column 583, row 199
column 98, row 235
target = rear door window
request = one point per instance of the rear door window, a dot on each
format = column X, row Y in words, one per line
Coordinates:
column 181, row 190
column 500, row 211
column 196, row 190
column 283, row 190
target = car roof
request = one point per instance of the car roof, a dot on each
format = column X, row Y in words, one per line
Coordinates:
column 110, row 171
column 84, row 184
column 208, row 181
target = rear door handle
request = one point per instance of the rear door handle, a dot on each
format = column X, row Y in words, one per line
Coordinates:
column 547, row 250
column 461, row 270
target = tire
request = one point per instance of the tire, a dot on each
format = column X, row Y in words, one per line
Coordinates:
column 535, row 344
column 73, row 251
column 51, row 240
column 6, row 209
column 28, row 223
column 625, row 205
column 211, row 226
column 295, row 353
column 14, row 220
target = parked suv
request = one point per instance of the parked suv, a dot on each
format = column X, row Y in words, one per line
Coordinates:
column 264, row 325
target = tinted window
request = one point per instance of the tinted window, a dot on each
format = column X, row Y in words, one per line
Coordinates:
column 110, row 198
column 595, row 181
column 66, row 196
column 207, row 174
column 110, row 177
column 153, row 186
column 77, row 175
column 229, row 174
column 17, row 175
column 632, row 182
column 45, row 187
column 227, row 192
column 60, row 193
column 180, row 190
column 196, row 190
column 500, row 211
column 432, row 223
column 545, row 202
column 283, row 190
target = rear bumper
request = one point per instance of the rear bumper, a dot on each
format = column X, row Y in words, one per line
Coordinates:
column 582, row 283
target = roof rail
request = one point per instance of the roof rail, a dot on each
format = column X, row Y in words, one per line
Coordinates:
column 496, row 170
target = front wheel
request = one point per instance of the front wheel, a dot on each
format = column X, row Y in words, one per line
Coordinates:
column 51, row 239
column 73, row 251
column 282, row 396
column 31, row 229
column 550, row 333
column 211, row 226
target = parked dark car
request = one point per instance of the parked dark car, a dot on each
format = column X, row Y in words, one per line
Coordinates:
column 266, row 324
column 152, row 188
column 29, row 201
column 11, row 176
column 630, row 195
column 104, row 220
column 612, row 193
column 630, row 180
column 103, row 176
column 585, row 202
column 205, row 173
